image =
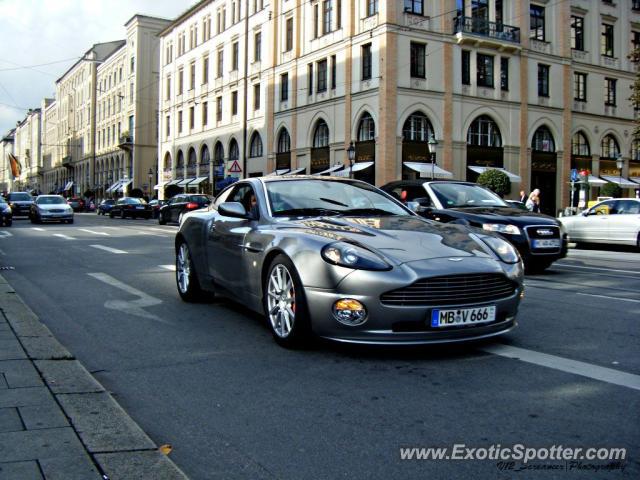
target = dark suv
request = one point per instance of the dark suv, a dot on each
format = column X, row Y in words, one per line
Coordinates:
column 20, row 203
column 539, row 238
column 181, row 204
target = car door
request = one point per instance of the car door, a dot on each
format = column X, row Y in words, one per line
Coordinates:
column 624, row 222
column 225, row 244
column 594, row 227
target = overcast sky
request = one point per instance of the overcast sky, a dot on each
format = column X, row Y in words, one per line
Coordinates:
column 57, row 33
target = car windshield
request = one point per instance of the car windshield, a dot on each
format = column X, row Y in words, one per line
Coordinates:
column 20, row 197
column 456, row 195
column 308, row 198
column 134, row 201
column 50, row 201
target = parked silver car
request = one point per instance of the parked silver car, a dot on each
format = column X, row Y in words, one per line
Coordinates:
column 343, row 260
column 50, row 208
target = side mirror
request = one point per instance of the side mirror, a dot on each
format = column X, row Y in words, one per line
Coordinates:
column 413, row 206
column 232, row 209
column 585, row 213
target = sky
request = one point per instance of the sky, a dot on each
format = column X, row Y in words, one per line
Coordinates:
column 41, row 39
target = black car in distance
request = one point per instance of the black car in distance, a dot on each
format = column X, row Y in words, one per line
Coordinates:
column 5, row 213
column 131, row 207
column 180, row 204
column 20, row 203
column 540, row 239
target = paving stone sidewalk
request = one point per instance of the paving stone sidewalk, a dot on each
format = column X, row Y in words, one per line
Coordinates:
column 56, row 420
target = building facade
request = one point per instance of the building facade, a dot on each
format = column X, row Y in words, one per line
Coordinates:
column 6, row 149
column 537, row 88
column 27, row 150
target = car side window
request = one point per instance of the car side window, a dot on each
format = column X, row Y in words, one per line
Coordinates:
column 605, row 208
column 627, row 207
column 245, row 195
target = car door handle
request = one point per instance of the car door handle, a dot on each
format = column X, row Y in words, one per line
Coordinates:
column 250, row 248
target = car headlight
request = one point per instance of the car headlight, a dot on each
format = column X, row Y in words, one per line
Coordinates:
column 501, row 228
column 69, row 209
column 503, row 249
column 6, row 209
column 353, row 256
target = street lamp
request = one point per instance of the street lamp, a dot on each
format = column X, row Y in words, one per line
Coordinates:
column 432, row 153
column 150, row 173
column 351, row 154
column 620, row 164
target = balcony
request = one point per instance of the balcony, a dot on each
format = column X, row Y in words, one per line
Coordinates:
column 67, row 161
column 485, row 33
column 125, row 141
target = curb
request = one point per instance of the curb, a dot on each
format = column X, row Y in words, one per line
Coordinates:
column 117, row 446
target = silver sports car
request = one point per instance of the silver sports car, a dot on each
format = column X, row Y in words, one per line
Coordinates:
column 343, row 260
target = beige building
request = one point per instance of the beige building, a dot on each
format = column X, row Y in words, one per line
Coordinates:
column 27, row 144
column 534, row 87
column 6, row 148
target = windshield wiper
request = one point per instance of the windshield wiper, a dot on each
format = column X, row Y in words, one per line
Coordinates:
column 334, row 202
column 306, row 212
column 367, row 211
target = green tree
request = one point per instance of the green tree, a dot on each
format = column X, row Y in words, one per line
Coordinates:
column 495, row 180
column 611, row 190
column 634, row 56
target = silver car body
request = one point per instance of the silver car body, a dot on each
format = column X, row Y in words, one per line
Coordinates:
column 615, row 221
column 234, row 254
column 47, row 210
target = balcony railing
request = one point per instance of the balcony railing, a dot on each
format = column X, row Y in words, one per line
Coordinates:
column 479, row 26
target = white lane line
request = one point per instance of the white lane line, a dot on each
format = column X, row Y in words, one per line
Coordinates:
column 565, row 265
column 150, row 233
column 4, row 234
column 610, row 298
column 171, row 268
column 37, row 229
column 66, row 237
column 589, row 370
column 108, row 249
column 162, row 229
column 93, row 231
column 132, row 307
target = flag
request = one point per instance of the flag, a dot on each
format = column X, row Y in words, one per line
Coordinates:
column 16, row 168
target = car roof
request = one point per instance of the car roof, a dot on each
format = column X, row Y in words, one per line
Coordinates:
column 420, row 182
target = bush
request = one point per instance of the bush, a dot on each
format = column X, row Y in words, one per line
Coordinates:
column 495, row 180
column 136, row 192
column 610, row 190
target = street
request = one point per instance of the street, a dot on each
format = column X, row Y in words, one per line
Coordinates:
column 209, row 380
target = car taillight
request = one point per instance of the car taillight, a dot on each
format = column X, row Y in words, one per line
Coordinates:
column 192, row 205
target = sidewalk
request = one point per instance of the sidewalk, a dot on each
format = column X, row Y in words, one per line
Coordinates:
column 56, row 420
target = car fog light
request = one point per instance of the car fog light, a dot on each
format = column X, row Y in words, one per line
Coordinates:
column 349, row 312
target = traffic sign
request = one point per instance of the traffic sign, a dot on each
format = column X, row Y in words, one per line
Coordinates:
column 574, row 175
column 235, row 167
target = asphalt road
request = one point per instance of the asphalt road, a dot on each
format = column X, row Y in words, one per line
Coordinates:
column 208, row 378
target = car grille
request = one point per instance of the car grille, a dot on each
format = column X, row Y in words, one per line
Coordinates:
column 543, row 232
column 56, row 211
column 451, row 290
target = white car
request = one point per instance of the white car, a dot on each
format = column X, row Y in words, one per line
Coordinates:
column 50, row 208
column 615, row 221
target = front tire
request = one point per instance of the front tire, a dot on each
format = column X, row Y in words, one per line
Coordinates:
column 111, row 214
column 161, row 220
column 285, row 305
column 122, row 215
column 186, row 279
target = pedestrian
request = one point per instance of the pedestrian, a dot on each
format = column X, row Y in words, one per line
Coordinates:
column 523, row 197
column 533, row 202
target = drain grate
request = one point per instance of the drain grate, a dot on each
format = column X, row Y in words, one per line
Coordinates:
column 6, row 268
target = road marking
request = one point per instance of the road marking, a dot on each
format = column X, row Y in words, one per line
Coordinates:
column 108, row 249
column 133, row 307
column 37, row 229
column 589, row 370
column 4, row 234
column 150, row 233
column 93, row 231
column 66, row 237
column 162, row 229
column 595, row 268
column 610, row 298
column 168, row 267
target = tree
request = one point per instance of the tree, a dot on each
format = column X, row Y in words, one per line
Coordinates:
column 136, row 192
column 611, row 190
column 495, row 180
column 634, row 56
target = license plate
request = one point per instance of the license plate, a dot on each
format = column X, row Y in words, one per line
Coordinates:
column 547, row 243
column 462, row 316
column 139, row 208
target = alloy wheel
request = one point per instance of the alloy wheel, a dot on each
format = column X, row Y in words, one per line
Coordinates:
column 183, row 268
column 281, row 301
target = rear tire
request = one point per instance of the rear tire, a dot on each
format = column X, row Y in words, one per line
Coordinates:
column 161, row 220
column 186, row 278
column 111, row 214
column 8, row 223
column 285, row 305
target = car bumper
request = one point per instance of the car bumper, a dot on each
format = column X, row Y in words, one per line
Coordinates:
column 532, row 256
column 55, row 217
column 388, row 324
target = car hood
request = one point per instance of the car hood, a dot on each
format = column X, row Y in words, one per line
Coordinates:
column 20, row 202
column 400, row 238
column 56, row 206
column 479, row 215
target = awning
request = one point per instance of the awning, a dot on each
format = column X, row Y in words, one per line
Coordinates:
column 68, row 186
column 123, row 184
column 159, row 186
column 186, row 181
column 330, row 169
column 635, row 179
column 623, row 182
column 356, row 168
column 198, row 181
column 297, row 171
column 174, row 182
column 593, row 180
column 425, row 169
column 512, row 176
column 114, row 187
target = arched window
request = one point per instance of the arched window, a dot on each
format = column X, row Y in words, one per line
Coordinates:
column 255, row 149
column 204, row 155
column 180, row 159
column 580, row 145
column 417, row 128
column 234, row 152
column 167, row 161
column 484, row 132
column 321, row 135
column 543, row 140
column 284, row 141
column 635, row 149
column 218, row 154
column 367, row 128
column 610, row 147
column 192, row 158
